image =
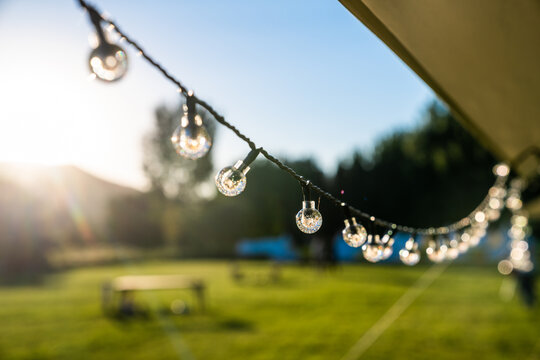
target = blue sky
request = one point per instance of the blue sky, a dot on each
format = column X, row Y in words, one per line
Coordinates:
column 301, row 78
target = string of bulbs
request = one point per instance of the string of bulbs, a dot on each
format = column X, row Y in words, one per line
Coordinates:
column 109, row 62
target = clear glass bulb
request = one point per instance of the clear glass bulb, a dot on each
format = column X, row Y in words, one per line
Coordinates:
column 436, row 253
column 452, row 251
column 387, row 243
column 372, row 250
column 501, row 169
column 463, row 246
column 476, row 234
column 309, row 219
column 513, row 202
column 480, row 217
column 493, row 215
column 191, row 141
column 388, row 250
column 354, row 235
column 495, row 203
column 409, row 257
column 519, row 220
column 108, row 62
column 410, row 244
column 231, row 180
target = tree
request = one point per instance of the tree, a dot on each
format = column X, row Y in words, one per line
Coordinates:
column 266, row 208
column 431, row 175
column 170, row 175
column 135, row 221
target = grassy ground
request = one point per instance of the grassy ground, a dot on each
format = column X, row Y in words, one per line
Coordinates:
column 306, row 315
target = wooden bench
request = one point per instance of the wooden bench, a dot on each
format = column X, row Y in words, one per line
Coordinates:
column 126, row 285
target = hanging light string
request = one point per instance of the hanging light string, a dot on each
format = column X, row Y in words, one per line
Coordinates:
column 500, row 182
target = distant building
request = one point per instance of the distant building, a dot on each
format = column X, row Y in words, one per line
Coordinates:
column 276, row 248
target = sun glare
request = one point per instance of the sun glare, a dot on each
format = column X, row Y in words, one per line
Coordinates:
column 52, row 115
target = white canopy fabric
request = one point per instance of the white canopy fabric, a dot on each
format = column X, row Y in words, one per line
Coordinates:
column 482, row 57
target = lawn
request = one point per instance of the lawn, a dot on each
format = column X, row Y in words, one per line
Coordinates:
column 308, row 314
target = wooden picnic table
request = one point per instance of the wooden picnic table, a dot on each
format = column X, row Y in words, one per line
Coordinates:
column 128, row 284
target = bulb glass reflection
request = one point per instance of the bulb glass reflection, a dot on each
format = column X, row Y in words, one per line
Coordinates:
column 354, row 235
column 387, row 252
column 309, row 219
column 191, row 141
column 108, row 62
column 435, row 252
column 388, row 246
column 373, row 250
column 501, row 170
column 409, row 257
column 231, row 180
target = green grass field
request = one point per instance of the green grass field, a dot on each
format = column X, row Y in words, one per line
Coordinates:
column 306, row 315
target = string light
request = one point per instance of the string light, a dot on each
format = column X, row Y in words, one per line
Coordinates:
column 354, row 235
column 373, row 249
column 436, row 252
column 520, row 255
column 410, row 255
column 463, row 244
column 501, row 170
column 190, row 139
column 458, row 225
column 387, row 242
column 109, row 63
column 308, row 219
column 452, row 251
column 231, row 181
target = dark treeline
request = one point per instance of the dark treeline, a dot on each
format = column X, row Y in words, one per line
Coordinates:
column 426, row 176
column 430, row 175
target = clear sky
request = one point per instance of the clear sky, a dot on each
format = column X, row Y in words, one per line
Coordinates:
column 300, row 77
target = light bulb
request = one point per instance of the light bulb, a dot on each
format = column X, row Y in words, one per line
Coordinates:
column 476, row 233
column 465, row 242
column 505, row 267
column 520, row 220
column 480, row 217
column 410, row 257
column 452, row 251
column 410, row 244
column 354, row 235
column 501, row 169
column 190, row 139
column 497, row 191
column 513, row 202
column 387, row 252
column 372, row 250
column 495, row 203
column 387, row 243
column 436, row 253
column 108, row 62
column 493, row 215
column 463, row 246
column 411, row 254
column 309, row 219
column 231, row 180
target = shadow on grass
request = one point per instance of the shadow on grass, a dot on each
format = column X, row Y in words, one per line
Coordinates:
column 23, row 279
column 235, row 324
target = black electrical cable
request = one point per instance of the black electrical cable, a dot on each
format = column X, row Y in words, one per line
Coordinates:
column 500, row 181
